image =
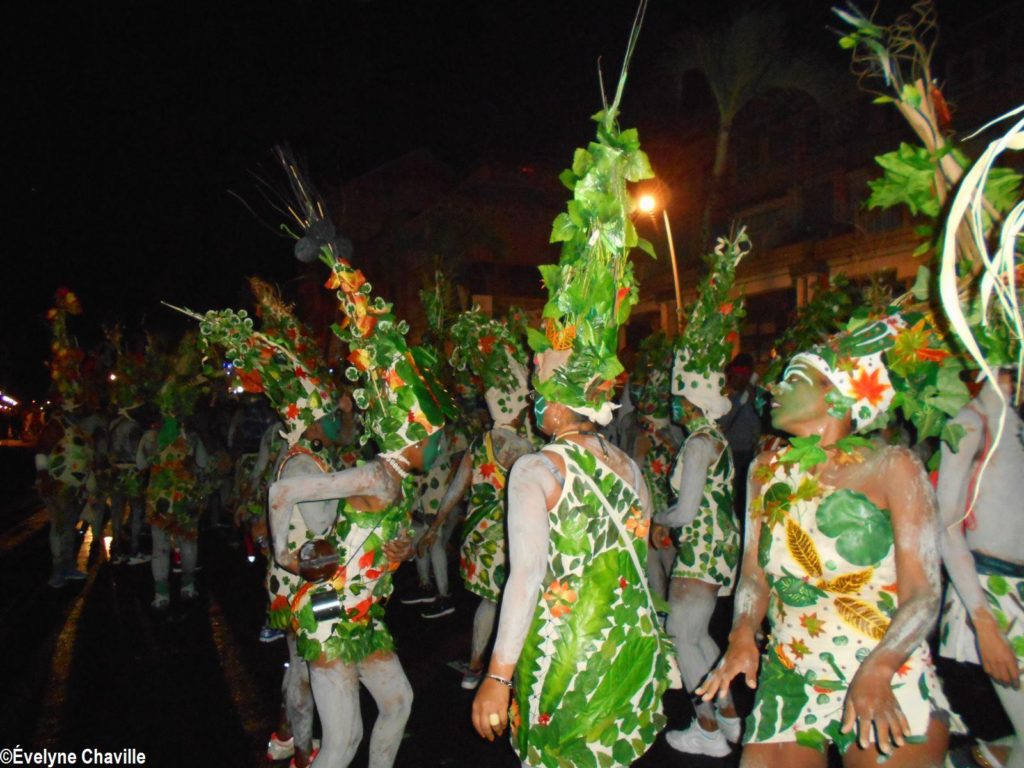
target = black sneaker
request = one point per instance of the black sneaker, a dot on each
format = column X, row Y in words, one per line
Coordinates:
column 441, row 607
column 424, row 593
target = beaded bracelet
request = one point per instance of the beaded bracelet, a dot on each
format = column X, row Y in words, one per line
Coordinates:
column 503, row 680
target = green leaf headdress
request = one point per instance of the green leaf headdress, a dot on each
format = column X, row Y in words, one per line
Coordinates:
column 898, row 361
column 485, row 350
column 592, row 290
column 281, row 361
column 184, row 384
column 402, row 400
column 651, row 377
column 65, row 356
column 705, row 346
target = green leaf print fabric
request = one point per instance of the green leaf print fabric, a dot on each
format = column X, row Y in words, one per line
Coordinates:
column 595, row 664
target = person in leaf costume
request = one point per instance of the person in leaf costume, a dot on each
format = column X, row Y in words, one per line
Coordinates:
column 842, row 554
column 702, row 486
column 174, row 461
column 485, row 350
column 579, row 639
column 281, row 361
column 979, row 490
column 64, row 451
column 359, row 515
column 656, row 446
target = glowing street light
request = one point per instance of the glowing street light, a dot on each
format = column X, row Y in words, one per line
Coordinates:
column 647, row 204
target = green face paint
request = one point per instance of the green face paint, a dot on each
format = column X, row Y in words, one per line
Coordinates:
column 677, row 409
column 540, row 404
column 331, row 426
column 431, row 450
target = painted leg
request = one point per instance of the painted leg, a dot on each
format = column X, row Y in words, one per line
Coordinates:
column 788, row 754
column 930, row 754
column 161, row 566
column 385, row 679
column 335, row 686
column 138, row 515
column 298, row 702
column 189, row 555
column 1013, row 703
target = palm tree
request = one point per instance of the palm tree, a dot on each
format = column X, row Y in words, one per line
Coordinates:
column 746, row 58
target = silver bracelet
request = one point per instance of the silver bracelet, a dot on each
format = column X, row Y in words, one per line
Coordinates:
column 503, row 680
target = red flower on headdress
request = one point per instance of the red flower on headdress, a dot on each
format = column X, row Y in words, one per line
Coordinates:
column 293, row 411
column 866, row 386
column 251, row 381
column 486, row 344
column 360, row 358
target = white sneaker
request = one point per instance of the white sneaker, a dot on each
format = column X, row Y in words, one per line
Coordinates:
column 280, row 750
column 731, row 727
column 696, row 741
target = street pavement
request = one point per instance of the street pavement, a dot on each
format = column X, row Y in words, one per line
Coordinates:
column 91, row 665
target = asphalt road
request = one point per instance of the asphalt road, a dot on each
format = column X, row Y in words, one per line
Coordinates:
column 92, row 666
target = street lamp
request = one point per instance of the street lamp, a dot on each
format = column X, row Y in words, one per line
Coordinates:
column 647, row 203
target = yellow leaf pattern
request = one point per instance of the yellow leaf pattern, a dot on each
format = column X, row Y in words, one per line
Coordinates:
column 849, row 583
column 862, row 617
column 802, row 548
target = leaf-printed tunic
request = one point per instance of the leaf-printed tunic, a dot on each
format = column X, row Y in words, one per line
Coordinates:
column 362, row 582
column 482, row 556
column 70, row 461
column 657, row 464
column 709, row 545
column 173, row 493
column 829, row 558
column 590, row 677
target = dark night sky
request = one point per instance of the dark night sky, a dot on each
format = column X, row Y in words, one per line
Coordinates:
column 132, row 120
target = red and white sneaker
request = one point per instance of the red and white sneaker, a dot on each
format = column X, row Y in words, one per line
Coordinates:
column 278, row 749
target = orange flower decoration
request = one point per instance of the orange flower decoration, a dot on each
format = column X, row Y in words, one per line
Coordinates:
column 560, row 339
column 562, row 597
column 393, row 380
column 360, row 358
column 866, row 386
column 637, row 525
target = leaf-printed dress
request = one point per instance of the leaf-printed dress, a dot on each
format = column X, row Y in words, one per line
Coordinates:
column 657, row 464
column 595, row 664
column 282, row 585
column 70, row 461
column 829, row 558
column 362, row 582
column 173, row 493
column 709, row 545
column 482, row 556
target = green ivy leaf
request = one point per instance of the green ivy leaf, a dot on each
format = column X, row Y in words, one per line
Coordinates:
column 862, row 531
column 806, row 451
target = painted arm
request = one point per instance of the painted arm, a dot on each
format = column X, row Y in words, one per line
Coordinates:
column 870, row 703
column 457, row 489
column 370, row 479
column 997, row 656
column 751, row 603
column 530, row 484
column 695, row 459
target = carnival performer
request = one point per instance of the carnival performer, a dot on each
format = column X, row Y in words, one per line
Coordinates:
column 702, row 484
column 282, row 362
column 63, row 456
column 485, row 350
column 174, row 462
column 980, row 487
column 842, row 541
column 431, row 550
column 656, row 446
column 578, row 638
column 338, row 612
column 124, row 433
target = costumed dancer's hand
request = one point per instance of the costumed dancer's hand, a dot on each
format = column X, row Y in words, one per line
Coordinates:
column 741, row 658
column 426, row 542
column 997, row 656
column 399, row 549
column 490, row 709
column 872, row 708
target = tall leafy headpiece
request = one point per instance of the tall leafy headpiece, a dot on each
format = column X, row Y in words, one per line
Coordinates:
column 652, row 376
column 484, row 350
column 402, row 400
column 706, row 344
column 592, row 290
column 65, row 356
column 280, row 360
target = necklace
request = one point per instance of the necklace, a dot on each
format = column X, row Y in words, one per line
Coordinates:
column 391, row 462
column 600, row 437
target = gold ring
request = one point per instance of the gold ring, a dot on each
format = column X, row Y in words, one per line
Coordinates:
column 493, row 718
